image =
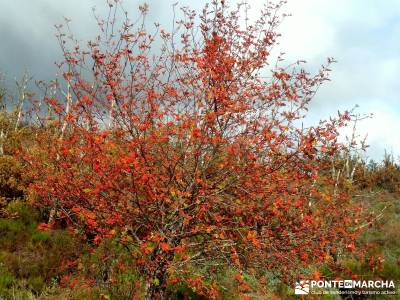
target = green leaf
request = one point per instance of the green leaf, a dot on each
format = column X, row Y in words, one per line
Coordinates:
column 156, row 281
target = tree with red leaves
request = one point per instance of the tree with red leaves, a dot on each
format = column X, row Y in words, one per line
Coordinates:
column 187, row 147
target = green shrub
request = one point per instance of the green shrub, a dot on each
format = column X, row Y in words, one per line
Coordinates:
column 6, row 279
column 18, row 209
column 11, row 183
column 36, row 284
column 31, row 259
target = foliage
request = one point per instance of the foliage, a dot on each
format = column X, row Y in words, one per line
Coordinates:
column 29, row 258
column 11, row 184
column 382, row 176
column 193, row 160
column 381, row 239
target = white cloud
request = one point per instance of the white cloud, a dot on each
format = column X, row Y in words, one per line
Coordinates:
column 362, row 35
column 383, row 132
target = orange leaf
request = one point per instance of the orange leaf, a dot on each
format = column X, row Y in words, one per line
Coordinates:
column 164, row 247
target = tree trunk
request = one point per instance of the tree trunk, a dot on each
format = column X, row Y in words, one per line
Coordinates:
column 157, row 288
column 1, row 142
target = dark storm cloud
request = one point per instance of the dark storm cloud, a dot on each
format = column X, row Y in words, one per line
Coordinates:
column 27, row 30
column 27, row 34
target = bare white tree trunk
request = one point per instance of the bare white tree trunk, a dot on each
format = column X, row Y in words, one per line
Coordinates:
column 110, row 115
column 22, row 86
column 2, row 136
column 68, row 97
column 19, row 112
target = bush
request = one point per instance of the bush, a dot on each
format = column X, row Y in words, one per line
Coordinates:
column 30, row 259
column 383, row 176
column 11, row 183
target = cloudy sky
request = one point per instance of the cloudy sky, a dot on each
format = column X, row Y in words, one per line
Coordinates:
column 363, row 36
